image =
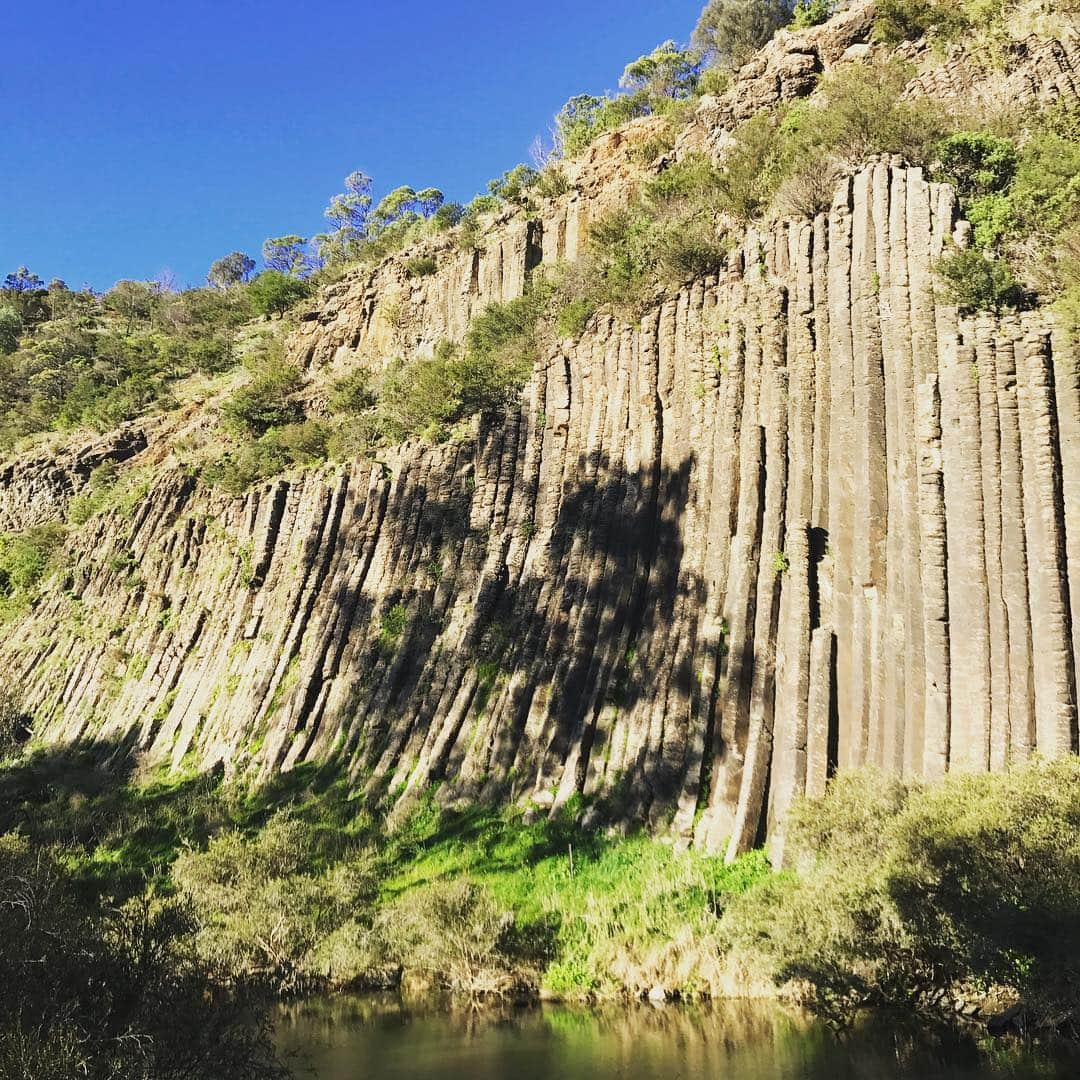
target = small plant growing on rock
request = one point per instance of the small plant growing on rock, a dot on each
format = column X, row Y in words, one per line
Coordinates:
column 975, row 282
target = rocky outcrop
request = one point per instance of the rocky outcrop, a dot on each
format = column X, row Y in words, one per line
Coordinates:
column 39, row 489
column 800, row 516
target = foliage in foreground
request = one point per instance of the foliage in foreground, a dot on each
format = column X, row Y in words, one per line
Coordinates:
column 118, row 993
column 295, row 887
column 900, row 894
column 926, row 896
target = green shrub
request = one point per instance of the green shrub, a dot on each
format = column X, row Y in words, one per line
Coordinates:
column 575, row 316
column 422, row 266
column 728, row 32
column 810, row 13
column 353, row 393
column 977, row 163
column 920, row 897
column 975, row 282
column 266, row 401
column 25, row 559
column 274, row 292
column 122, row 995
column 393, row 625
column 861, row 111
column 279, row 448
column 268, row 913
column 455, row 932
column 11, row 326
column 514, row 185
column 425, row 395
column 897, row 21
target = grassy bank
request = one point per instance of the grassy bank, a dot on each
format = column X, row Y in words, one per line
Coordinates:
column 523, row 905
column 930, row 899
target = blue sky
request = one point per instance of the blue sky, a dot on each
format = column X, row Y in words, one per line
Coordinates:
column 143, row 136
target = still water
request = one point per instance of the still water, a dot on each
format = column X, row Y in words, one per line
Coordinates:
column 382, row 1038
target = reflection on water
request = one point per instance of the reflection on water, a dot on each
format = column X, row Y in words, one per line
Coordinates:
column 379, row 1038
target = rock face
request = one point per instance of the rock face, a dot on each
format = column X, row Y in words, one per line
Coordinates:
column 799, row 517
column 39, row 489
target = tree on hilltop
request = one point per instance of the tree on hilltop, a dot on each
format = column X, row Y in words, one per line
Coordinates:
column 232, row 269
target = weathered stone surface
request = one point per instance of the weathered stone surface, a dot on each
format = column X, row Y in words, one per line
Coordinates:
column 39, row 489
column 800, row 516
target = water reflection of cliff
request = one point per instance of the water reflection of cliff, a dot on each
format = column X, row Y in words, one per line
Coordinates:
column 384, row 1038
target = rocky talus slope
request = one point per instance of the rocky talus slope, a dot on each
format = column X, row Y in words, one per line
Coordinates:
column 802, row 515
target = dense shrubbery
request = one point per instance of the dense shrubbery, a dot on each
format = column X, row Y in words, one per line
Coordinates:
column 86, row 360
column 294, row 886
column 112, row 992
column 273, row 292
column 1021, row 195
column 922, row 897
column 974, row 282
column 272, row 912
column 898, row 895
column 25, row 559
column 908, row 20
column 427, row 395
column 729, row 31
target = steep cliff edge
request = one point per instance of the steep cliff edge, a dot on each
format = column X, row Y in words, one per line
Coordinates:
column 801, row 515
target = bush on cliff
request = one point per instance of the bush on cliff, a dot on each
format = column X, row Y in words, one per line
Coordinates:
column 428, row 394
column 728, row 32
column 924, row 896
column 273, row 292
column 85, row 360
column 1022, row 196
column 975, row 282
column 25, row 559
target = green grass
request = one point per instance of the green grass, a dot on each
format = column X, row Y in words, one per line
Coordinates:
column 578, row 896
column 596, row 896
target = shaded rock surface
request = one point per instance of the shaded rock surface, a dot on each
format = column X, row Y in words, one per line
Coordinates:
column 800, row 516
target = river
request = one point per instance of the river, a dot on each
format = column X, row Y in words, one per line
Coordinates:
column 383, row 1038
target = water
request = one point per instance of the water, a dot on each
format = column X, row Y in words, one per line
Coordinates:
column 382, row 1038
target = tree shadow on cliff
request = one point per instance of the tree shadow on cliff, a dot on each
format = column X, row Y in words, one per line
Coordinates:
column 624, row 592
column 607, row 622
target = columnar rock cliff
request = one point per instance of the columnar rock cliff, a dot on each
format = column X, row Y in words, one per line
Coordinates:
column 800, row 516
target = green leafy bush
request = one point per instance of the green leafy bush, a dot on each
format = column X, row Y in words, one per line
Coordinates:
column 809, row 13
column 353, row 393
column 279, row 448
column 728, row 32
column 897, row 21
column 25, row 559
column 920, row 897
column 425, row 395
column 977, row 163
column 274, row 292
column 976, row 282
column 454, row 932
column 421, row 266
column 268, row 913
column 11, row 326
column 266, row 401
column 122, row 994
column 514, row 185
column 650, row 85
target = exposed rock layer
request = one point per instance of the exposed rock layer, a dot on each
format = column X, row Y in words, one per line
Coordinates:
column 799, row 517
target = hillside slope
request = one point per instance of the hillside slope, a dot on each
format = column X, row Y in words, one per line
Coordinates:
column 801, row 515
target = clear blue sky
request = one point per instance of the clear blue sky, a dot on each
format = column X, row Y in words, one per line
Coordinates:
column 140, row 136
